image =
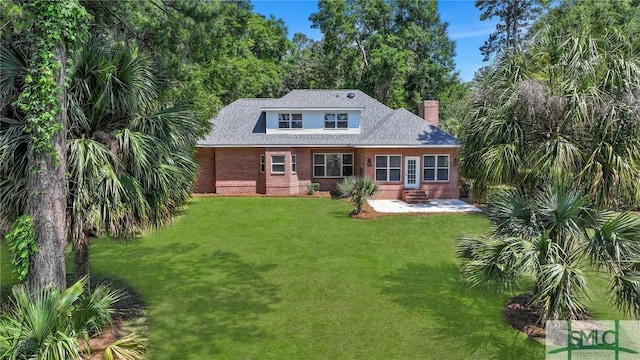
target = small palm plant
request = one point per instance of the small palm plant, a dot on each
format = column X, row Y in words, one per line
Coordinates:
column 47, row 324
column 359, row 189
column 553, row 236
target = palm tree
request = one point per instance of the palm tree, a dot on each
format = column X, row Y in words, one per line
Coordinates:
column 129, row 161
column 566, row 103
column 358, row 189
column 47, row 324
column 554, row 236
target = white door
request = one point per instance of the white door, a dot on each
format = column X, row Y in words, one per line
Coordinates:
column 411, row 177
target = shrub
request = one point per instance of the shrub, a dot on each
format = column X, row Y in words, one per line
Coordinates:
column 48, row 323
column 358, row 189
column 313, row 187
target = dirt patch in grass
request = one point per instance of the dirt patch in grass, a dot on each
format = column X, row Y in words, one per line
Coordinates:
column 367, row 212
column 523, row 317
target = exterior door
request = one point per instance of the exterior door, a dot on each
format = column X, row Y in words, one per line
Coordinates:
column 411, row 174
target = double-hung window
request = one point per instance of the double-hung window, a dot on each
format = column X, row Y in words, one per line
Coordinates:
column 388, row 167
column 277, row 164
column 436, row 168
column 336, row 121
column 332, row 165
column 262, row 164
column 289, row 121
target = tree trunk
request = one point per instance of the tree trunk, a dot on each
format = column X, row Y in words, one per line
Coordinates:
column 81, row 259
column 47, row 201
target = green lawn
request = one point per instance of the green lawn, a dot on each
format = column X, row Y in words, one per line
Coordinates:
column 284, row 278
column 296, row 278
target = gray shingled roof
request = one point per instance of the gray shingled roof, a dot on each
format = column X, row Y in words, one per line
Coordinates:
column 242, row 123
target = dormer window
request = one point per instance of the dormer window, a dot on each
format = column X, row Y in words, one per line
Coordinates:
column 336, row 121
column 289, row 121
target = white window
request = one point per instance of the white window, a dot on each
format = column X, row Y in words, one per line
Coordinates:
column 289, row 121
column 388, row 167
column 294, row 163
column 436, row 168
column 332, row 165
column 277, row 164
column 336, row 121
column 262, row 164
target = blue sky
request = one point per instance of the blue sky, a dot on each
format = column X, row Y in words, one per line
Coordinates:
column 465, row 27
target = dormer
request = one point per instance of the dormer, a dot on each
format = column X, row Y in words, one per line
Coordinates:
column 312, row 120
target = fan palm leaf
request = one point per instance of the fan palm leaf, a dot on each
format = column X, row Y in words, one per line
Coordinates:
column 130, row 160
column 554, row 235
column 564, row 105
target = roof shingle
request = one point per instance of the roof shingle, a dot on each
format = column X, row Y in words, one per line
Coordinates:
column 243, row 123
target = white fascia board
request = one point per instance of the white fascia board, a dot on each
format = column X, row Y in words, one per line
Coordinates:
column 350, row 131
column 332, row 146
column 406, row 146
column 312, row 109
column 274, row 146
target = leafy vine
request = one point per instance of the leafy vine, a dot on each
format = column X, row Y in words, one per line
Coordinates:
column 22, row 244
column 55, row 24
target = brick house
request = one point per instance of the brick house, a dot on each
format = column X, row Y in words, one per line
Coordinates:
column 279, row 146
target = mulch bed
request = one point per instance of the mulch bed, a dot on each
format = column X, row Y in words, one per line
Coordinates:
column 521, row 316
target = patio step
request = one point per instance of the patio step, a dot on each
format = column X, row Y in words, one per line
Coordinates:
column 415, row 197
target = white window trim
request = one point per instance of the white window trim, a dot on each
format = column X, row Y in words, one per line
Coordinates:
column 388, row 168
column 290, row 121
column 342, row 165
column 436, row 168
column 262, row 164
column 283, row 163
column 335, row 121
column 294, row 163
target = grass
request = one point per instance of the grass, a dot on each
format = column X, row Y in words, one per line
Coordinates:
column 277, row 278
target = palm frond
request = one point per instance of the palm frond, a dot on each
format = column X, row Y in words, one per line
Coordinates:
column 559, row 292
column 625, row 287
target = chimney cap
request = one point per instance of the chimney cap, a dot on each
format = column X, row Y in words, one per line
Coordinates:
column 428, row 97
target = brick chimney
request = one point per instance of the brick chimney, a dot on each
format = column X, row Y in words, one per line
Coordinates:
column 429, row 110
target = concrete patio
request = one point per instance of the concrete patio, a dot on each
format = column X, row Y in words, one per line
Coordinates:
column 434, row 206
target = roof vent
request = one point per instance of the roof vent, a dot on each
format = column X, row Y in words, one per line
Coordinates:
column 351, row 95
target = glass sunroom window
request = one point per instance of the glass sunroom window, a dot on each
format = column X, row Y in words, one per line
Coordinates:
column 332, row 165
column 388, row 167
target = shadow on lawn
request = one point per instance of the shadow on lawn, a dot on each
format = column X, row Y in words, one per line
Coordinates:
column 465, row 318
column 198, row 298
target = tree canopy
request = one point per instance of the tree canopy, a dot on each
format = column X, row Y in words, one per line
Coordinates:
column 565, row 104
column 515, row 17
column 211, row 52
column 396, row 51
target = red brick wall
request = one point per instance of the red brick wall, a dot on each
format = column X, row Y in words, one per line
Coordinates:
column 207, row 175
column 434, row 190
column 237, row 171
column 429, row 110
column 280, row 183
column 304, row 172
